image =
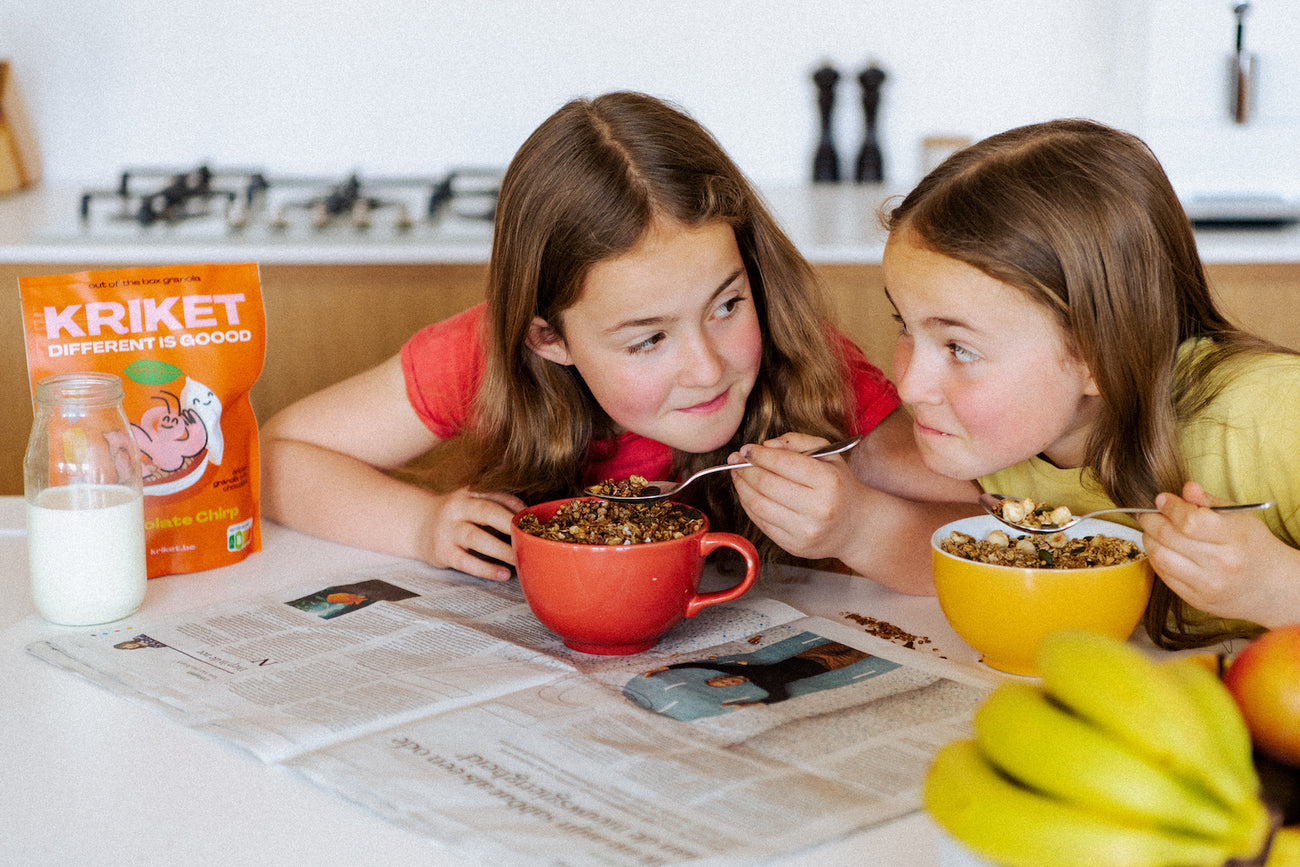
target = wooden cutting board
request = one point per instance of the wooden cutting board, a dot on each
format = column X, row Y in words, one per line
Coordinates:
column 20, row 164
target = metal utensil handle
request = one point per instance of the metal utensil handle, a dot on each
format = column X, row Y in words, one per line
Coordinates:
column 819, row 452
column 834, row 448
column 1235, row 507
column 1243, row 507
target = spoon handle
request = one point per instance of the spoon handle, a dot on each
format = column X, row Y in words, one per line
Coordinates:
column 1235, row 507
column 819, row 452
column 1243, row 507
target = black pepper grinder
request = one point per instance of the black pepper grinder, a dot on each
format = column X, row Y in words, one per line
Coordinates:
column 826, row 162
column 870, row 165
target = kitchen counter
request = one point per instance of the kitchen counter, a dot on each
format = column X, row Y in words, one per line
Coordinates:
column 40, row 225
column 831, row 224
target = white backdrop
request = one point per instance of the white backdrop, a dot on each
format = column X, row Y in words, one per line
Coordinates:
column 407, row 86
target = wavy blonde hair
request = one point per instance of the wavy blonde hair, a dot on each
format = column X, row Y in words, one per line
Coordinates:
column 583, row 188
column 1082, row 218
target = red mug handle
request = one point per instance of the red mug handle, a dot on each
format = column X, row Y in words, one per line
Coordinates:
column 710, row 541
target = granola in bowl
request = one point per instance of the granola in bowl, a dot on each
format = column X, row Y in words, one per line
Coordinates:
column 1055, row 551
column 600, row 522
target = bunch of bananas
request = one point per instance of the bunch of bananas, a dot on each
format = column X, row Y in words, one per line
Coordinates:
column 1114, row 760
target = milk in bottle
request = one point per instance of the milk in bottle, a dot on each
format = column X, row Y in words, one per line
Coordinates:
column 85, row 503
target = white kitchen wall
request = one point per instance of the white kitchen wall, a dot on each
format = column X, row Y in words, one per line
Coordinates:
column 416, row 86
column 1184, row 106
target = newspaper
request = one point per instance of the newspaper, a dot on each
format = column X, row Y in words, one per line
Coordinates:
column 439, row 702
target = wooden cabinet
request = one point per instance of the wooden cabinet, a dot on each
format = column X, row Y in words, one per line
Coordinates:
column 326, row 322
column 1264, row 299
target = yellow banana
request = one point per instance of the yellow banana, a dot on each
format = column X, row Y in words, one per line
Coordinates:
column 1219, row 715
column 1222, row 719
column 1119, row 689
column 1014, row 826
column 1285, row 851
column 1038, row 743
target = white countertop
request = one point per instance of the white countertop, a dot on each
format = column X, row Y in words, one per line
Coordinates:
column 40, row 225
column 93, row 777
column 830, row 223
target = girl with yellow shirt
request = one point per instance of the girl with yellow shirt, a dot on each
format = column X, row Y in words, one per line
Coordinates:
column 1060, row 342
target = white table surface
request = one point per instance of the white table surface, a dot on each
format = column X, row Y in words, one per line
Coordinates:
column 89, row 777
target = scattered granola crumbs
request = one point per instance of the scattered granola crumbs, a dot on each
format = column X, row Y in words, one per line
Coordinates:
column 755, row 639
column 888, row 631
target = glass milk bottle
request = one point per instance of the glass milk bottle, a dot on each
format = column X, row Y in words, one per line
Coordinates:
column 85, row 502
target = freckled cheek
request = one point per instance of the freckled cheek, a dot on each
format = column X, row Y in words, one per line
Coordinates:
column 632, row 400
column 1009, row 423
column 980, row 412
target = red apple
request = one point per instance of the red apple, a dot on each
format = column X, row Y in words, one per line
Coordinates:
column 1265, row 681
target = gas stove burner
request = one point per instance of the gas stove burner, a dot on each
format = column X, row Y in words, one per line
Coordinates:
column 181, row 196
column 348, row 199
column 470, row 192
column 207, row 202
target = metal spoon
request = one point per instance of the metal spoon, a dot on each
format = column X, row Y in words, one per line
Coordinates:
column 991, row 501
column 662, row 490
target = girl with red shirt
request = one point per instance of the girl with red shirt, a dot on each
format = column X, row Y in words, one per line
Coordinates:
column 644, row 315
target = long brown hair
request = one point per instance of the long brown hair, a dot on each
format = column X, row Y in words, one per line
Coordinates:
column 1083, row 219
column 585, row 187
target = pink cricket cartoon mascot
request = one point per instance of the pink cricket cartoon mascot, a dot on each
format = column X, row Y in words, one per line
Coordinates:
column 179, row 438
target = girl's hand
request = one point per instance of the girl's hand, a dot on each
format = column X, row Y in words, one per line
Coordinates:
column 799, row 502
column 1227, row 564
column 467, row 531
column 818, row 508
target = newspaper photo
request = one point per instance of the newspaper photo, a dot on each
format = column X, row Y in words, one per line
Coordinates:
column 439, row 702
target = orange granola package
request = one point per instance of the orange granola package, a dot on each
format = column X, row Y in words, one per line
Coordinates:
column 188, row 342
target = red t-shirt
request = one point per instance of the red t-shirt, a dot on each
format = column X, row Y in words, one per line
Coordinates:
column 443, row 366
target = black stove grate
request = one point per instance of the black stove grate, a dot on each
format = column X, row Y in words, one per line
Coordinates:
column 240, row 197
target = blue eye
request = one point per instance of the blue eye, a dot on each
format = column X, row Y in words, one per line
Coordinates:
column 726, row 308
column 962, row 354
column 647, row 344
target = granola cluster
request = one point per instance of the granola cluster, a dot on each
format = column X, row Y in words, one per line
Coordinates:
column 1056, row 551
column 599, row 522
column 1027, row 513
column 633, row 486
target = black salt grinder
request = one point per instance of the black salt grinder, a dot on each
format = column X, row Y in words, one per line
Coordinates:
column 826, row 162
column 870, row 165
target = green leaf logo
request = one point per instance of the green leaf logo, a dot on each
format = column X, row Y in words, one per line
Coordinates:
column 147, row 372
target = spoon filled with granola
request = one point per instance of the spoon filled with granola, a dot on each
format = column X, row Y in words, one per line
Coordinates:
column 1025, row 514
column 639, row 490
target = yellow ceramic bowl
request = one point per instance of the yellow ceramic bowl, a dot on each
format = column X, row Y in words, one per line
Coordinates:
column 1004, row 611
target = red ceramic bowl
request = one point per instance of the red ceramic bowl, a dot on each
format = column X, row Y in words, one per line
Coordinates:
column 619, row 599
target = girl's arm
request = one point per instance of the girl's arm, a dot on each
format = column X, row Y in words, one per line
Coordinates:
column 323, row 462
column 855, row 510
column 1229, row 565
